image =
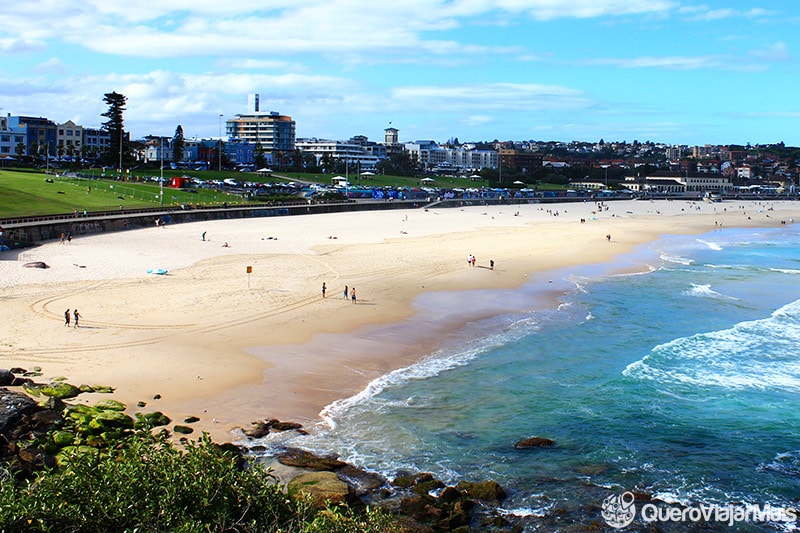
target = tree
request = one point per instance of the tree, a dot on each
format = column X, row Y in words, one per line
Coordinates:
column 258, row 156
column 115, row 154
column 178, row 145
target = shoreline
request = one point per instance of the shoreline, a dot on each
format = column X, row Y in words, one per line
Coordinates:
column 232, row 348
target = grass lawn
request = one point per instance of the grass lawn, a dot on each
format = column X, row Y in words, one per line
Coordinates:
column 26, row 193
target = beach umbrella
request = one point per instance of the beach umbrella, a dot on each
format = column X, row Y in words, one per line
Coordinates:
column 427, row 180
column 519, row 182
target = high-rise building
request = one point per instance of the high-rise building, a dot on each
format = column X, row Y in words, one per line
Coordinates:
column 275, row 132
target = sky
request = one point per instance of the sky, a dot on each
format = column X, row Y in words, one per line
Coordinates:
column 671, row 71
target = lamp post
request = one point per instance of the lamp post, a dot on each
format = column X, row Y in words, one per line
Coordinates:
column 120, row 150
column 161, row 179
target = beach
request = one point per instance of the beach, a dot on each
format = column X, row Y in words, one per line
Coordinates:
column 238, row 333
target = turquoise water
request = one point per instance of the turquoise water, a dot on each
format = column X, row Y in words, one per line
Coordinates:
column 682, row 382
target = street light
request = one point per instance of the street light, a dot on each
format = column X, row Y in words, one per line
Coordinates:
column 161, row 180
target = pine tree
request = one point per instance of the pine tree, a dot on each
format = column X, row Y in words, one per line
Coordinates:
column 115, row 154
column 178, row 145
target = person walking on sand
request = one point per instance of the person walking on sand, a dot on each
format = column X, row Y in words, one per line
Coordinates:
column 353, row 294
column 76, row 316
column 204, row 235
column 66, row 318
column 324, row 288
column 345, row 292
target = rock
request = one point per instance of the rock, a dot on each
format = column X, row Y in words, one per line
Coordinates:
column 63, row 438
column 427, row 486
column 419, row 507
column 13, row 405
column 305, row 459
column 35, row 457
column 409, row 480
column 277, row 425
column 361, row 480
column 60, row 390
column 154, row 419
column 114, row 419
column 325, row 488
column 36, row 264
column 257, row 430
column 112, row 405
column 450, row 495
column 185, row 430
column 6, row 377
column 484, row 490
column 534, row 442
column 53, row 404
column 45, row 420
column 190, row 420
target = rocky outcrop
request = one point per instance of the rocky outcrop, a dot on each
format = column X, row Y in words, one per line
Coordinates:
column 300, row 458
column 262, row 428
column 324, row 488
column 534, row 442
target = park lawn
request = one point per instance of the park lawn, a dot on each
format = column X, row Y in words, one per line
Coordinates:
column 29, row 194
column 24, row 193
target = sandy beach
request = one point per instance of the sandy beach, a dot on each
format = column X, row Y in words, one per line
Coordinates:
column 231, row 347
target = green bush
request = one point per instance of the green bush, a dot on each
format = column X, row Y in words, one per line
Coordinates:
column 148, row 484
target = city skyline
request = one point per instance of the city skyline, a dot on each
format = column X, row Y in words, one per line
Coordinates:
column 666, row 71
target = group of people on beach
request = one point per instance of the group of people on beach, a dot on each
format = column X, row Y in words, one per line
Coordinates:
column 75, row 316
column 349, row 292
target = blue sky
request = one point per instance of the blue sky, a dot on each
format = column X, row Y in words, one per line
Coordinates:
column 672, row 71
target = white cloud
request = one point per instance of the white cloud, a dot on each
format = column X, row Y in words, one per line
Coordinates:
column 53, row 64
column 706, row 13
column 775, row 53
column 671, row 63
column 493, row 96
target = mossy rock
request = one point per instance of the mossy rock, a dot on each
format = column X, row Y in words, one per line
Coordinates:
column 407, row 480
column 427, row 486
column 304, row 459
column 484, row 490
column 32, row 389
column 184, row 430
column 63, row 438
column 190, row 420
column 102, row 389
column 154, row 419
column 115, row 419
column 60, row 390
column 112, row 405
column 324, row 488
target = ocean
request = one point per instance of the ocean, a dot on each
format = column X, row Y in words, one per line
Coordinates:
column 681, row 383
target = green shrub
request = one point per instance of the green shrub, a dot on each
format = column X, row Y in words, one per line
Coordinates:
column 148, row 484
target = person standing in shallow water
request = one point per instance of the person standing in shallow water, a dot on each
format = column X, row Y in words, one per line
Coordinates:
column 345, row 292
column 66, row 318
column 324, row 288
column 353, row 294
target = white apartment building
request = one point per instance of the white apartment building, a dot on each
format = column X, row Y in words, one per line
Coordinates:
column 351, row 152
